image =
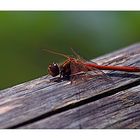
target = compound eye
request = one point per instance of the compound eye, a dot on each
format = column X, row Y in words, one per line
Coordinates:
column 53, row 69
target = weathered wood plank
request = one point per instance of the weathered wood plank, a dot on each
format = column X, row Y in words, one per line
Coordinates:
column 38, row 99
column 121, row 110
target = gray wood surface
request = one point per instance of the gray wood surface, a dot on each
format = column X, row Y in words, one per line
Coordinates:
column 121, row 110
column 93, row 104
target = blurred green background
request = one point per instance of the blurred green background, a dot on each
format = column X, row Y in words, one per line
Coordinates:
column 24, row 35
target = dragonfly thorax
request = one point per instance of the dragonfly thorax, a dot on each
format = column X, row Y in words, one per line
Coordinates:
column 65, row 70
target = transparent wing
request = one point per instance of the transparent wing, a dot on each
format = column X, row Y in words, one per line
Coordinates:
column 101, row 73
column 81, row 72
column 93, row 70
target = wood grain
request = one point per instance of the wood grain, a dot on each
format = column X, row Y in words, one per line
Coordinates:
column 121, row 110
column 31, row 102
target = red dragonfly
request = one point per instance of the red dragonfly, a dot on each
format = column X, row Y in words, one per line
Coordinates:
column 78, row 69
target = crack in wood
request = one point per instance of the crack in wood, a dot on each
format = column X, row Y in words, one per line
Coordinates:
column 77, row 104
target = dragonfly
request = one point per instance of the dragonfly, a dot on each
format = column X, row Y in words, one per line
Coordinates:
column 78, row 69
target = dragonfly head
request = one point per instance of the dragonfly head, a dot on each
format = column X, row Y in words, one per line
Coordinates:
column 53, row 69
